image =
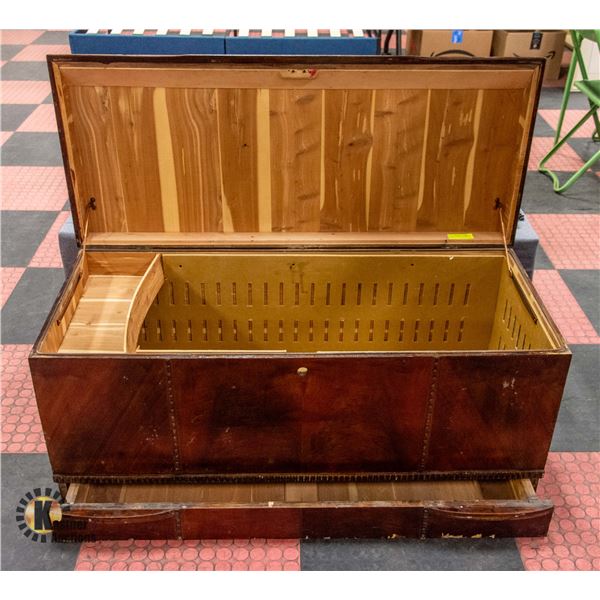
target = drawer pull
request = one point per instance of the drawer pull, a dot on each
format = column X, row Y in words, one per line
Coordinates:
column 516, row 513
column 302, row 371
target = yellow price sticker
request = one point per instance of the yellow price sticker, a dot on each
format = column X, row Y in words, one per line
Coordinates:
column 461, row 236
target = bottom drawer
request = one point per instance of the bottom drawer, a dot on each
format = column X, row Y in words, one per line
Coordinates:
column 300, row 510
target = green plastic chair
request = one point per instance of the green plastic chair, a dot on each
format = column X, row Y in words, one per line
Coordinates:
column 591, row 89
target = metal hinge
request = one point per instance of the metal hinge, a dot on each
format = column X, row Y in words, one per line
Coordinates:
column 91, row 205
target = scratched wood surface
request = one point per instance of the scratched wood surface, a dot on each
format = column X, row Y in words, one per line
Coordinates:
column 294, row 156
column 196, row 174
column 295, row 167
column 400, row 121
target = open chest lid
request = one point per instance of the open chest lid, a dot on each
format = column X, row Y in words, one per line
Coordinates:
column 294, row 151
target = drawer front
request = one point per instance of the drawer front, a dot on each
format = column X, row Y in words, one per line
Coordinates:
column 101, row 523
column 489, row 520
column 241, row 523
column 226, row 511
column 315, row 414
column 367, row 521
column 306, row 522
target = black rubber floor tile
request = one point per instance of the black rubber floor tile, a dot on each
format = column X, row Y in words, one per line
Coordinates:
column 12, row 115
column 552, row 98
column 539, row 197
column 585, row 285
column 541, row 259
column 22, row 473
column 22, row 232
column 578, row 425
column 410, row 555
column 28, row 306
column 586, row 148
column 542, row 129
column 32, row 150
column 25, row 71
column 53, row 37
column 8, row 51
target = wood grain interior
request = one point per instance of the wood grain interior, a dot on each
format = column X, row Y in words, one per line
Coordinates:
column 182, row 149
column 143, row 296
column 107, row 304
column 67, row 306
column 246, row 493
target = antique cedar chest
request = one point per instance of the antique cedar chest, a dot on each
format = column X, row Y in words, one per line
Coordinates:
column 295, row 310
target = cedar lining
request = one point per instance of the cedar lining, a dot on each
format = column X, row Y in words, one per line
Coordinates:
column 265, row 149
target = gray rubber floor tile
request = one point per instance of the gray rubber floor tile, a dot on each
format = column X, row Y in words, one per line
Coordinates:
column 12, row 115
column 29, row 304
column 539, row 197
column 22, row 473
column 32, row 150
column 25, row 71
column 22, row 233
column 578, row 425
column 410, row 555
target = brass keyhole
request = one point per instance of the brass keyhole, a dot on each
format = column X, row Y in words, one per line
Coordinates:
column 302, row 371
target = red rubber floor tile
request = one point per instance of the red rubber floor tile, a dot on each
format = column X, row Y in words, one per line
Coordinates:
column 564, row 309
column 566, row 159
column 19, row 36
column 24, row 92
column 48, row 252
column 21, row 428
column 572, row 116
column 570, row 241
column 40, row 51
column 42, row 119
column 190, row 555
column 9, row 277
column 33, row 188
column 572, row 482
column 4, row 135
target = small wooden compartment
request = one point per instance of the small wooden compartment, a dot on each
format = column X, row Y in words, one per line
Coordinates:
column 296, row 310
column 105, row 303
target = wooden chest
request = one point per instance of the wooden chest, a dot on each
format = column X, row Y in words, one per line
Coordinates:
column 296, row 311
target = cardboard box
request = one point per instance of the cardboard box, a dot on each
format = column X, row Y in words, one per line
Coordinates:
column 449, row 42
column 545, row 44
